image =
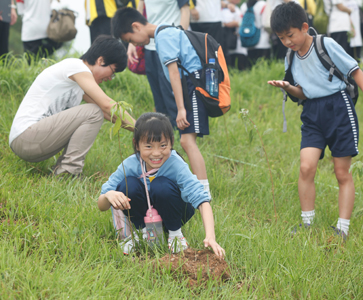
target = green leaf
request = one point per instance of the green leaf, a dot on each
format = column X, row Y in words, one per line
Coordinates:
column 116, row 127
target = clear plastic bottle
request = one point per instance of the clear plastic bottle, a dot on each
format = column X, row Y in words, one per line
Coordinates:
column 211, row 79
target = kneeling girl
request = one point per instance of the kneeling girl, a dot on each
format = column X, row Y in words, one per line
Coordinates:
column 174, row 191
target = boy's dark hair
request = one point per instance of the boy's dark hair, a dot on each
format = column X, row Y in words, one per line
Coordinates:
column 121, row 23
column 287, row 15
column 153, row 126
column 111, row 49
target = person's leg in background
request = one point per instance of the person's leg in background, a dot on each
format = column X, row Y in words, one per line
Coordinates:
column 4, row 37
column 100, row 25
column 160, row 87
column 341, row 38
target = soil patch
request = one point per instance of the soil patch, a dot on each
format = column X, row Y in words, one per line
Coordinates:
column 198, row 265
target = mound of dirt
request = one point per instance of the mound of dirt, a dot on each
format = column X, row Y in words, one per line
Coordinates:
column 198, row 265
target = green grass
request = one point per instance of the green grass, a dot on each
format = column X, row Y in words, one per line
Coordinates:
column 55, row 243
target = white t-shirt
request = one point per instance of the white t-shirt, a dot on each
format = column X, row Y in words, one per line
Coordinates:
column 258, row 9
column 228, row 16
column 162, row 11
column 355, row 41
column 36, row 17
column 209, row 11
column 338, row 20
column 51, row 92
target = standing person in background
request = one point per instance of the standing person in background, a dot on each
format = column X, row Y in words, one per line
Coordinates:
column 167, row 11
column 5, row 27
column 35, row 18
column 262, row 49
column 310, row 9
column 207, row 17
column 231, row 22
column 278, row 49
column 98, row 15
column 355, row 45
column 339, row 23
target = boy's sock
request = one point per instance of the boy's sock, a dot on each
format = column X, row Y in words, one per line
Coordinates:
column 177, row 233
column 343, row 225
column 308, row 216
column 205, row 183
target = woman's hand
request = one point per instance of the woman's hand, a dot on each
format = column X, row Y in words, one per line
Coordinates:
column 181, row 119
column 279, row 83
column 218, row 250
column 118, row 200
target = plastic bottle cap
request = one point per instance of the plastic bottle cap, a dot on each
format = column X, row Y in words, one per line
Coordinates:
column 212, row 61
column 154, row 218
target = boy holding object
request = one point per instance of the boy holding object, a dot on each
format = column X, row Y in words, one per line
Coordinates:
column 328, row 116
column 172, row 45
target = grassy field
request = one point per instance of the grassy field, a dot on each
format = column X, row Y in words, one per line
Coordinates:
column 56, row 244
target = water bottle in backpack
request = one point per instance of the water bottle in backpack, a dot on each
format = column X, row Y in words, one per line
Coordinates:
column 211, row 85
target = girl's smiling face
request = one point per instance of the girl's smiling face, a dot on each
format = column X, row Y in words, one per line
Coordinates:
column 154, row 154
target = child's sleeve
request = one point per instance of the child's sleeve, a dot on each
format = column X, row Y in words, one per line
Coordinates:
column 181, row 3
column 168, row 45
column 192, row 191
column 115, row 179
column 344, row 62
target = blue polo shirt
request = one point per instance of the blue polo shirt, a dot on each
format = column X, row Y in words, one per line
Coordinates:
column 312, row 76
column 172, row 44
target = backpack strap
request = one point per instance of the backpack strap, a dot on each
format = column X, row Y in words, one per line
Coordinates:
column 326, row 60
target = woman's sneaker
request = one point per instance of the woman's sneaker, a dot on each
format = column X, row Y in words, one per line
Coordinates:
column 177, row 244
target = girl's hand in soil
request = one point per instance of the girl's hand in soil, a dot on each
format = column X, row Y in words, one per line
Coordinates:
column 218, row 250
column 118, row 200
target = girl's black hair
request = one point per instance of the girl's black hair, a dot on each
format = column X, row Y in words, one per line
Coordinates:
column 152, row 126
column 111, row 49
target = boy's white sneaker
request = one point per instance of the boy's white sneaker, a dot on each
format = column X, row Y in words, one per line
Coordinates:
column 177, row 244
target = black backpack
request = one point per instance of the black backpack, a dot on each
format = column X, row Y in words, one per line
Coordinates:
column 206, row 47
column 324, row 58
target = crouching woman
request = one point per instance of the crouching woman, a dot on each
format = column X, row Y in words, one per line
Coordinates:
column 50, row 117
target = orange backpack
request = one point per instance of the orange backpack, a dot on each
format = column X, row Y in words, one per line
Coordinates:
column 207, row 47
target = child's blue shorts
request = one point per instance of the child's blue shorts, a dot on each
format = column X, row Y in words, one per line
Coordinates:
column 331, row 121
column 197, row 116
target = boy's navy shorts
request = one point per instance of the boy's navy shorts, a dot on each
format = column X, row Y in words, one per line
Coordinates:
column 197, row 116
column 331, row 121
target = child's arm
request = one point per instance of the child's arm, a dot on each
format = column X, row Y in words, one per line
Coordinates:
column 181, row 119
column 208, row 222
column 117, row 199
column 296, row 91
column 358, row 77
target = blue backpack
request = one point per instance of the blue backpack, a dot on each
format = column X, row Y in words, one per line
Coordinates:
column 248, row 32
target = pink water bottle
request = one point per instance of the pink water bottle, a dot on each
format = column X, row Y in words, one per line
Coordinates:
column 153, row 221
column 154, row 227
